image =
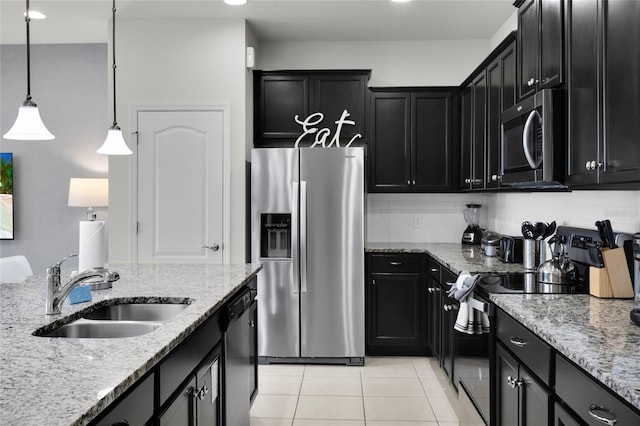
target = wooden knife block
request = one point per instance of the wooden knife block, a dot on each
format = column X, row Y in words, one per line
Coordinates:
column 613, row 280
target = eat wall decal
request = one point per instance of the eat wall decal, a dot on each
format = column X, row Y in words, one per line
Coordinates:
column 308, row 127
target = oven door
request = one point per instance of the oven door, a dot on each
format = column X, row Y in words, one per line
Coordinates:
column 472, row 371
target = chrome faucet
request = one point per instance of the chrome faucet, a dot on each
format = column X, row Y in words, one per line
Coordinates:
column 56, row 292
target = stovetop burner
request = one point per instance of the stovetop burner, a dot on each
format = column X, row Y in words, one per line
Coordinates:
column 509, row 283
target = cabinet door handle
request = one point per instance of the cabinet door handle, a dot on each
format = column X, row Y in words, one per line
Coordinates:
column 588, row 165
column 414, row 182
column 519, row 342
column 408, row 182
column 252, row 324
column 514, row 383
column 373, row 282
column 602, row 415
column 448, row 308
column 467, row 181
column 496, row 178
column 395, row 263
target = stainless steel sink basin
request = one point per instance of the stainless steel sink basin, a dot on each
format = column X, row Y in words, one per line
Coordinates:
column 136, row 312
column 119, row 319
column 90, row 329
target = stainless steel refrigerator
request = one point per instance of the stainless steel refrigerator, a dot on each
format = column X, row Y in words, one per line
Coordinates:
column 307, row 229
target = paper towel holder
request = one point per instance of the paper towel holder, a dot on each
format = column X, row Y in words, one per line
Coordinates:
column 89, row 193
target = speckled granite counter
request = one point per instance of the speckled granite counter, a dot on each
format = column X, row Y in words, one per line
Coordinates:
column 58, row 381
column 596, row 334
column 456, row 257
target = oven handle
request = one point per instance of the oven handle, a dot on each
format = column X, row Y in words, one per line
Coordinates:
column 477, row 304
column 526, row 144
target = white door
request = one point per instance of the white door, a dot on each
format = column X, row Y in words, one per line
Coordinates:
column 180, row 186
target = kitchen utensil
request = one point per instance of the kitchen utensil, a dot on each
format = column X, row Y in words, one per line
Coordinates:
column 527, row 230
column 609, row 231
column 511, row 249
column 595, row 255
column 540, row 228
column 551, row 228
column 602, row 233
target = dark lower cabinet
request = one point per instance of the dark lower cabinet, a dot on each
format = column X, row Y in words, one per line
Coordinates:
column 592, row 403
column 396, row 304
column 449, row 310
column 521, row 398
column 190, row 385
column 562, row 417
column 434, row 308
column 135, row 408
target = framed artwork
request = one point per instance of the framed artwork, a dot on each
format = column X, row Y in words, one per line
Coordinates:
column 6, row 196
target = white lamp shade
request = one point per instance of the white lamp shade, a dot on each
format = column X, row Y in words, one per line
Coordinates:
column 88, row 192
column 28, row 126
column 114, row 144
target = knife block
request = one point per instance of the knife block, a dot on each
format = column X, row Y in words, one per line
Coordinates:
column 613, row 280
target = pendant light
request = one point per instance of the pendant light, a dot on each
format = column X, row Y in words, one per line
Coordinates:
column 114, row 144
column 28, row 124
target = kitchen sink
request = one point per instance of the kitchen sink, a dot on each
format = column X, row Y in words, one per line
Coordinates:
column 92, row 329
column 115, row 320
column 136, row 312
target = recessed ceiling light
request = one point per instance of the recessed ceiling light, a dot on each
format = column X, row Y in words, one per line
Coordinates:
column 34, row 14
column 235, row 2
column 400, row 1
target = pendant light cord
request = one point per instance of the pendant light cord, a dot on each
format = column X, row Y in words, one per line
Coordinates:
column 27, row 19
column 113, row 45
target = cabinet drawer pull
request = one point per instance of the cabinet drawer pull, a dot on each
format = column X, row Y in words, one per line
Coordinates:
column 521, row 343
column 395, row 263
column 602, row 415
column 434, row 269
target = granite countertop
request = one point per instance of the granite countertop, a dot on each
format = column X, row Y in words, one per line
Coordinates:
column 596, row 334
column 59, row 381
column 455, row 256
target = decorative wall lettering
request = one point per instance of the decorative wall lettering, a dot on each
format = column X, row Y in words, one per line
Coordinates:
column 322, row 134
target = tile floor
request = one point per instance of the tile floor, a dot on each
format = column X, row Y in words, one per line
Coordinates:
column 387, row 391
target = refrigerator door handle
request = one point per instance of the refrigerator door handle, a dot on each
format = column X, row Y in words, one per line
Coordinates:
column 295, row 258
column 303, row 236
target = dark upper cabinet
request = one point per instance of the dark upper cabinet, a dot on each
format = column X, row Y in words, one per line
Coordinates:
column 501, row 95
column 281, row 95
column 474, row 114
column 621, row 51
column 603, row 42
column 396, row 308
column 390, row 145
column 411, row 144
column 540, row 46
column 485, row 95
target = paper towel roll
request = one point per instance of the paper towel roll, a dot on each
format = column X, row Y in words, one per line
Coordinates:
column 92, row 251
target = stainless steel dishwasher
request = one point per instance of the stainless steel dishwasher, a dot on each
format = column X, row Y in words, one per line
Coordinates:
column 239, row 360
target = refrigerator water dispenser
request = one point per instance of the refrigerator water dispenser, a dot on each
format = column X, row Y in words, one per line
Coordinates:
column 275, row 238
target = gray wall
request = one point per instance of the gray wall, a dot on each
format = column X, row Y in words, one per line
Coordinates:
column 69, row 84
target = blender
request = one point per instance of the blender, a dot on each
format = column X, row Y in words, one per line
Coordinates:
column 472, row 234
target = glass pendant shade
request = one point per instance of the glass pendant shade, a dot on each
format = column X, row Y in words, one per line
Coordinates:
column 28, row 125
column 114, row 144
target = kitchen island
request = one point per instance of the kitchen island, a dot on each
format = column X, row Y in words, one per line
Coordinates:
column 62, row 381
column 595, row 334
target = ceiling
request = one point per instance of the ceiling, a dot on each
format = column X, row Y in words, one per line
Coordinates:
column 86, row 21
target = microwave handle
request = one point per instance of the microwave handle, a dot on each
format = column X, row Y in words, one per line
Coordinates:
column 526, row 145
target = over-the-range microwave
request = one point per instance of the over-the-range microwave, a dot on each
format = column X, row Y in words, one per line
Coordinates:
column 533, row 142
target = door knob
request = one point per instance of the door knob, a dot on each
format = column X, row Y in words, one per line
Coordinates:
column 212, row 247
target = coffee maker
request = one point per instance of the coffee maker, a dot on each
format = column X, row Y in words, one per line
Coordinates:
column 635, row 312
column 472, row 235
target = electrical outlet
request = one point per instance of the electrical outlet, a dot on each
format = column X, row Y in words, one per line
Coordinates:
column 417, row 222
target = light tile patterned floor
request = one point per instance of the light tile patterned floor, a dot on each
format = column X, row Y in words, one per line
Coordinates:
column 387, row 391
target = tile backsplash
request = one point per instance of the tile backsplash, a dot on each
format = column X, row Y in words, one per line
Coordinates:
column 438, row 217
